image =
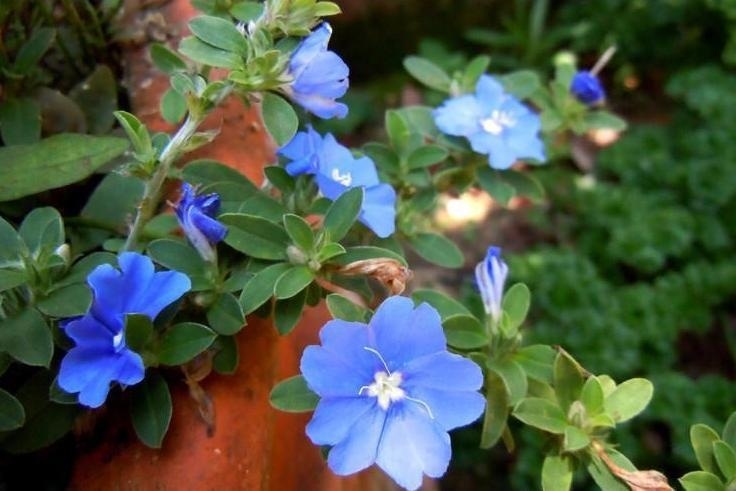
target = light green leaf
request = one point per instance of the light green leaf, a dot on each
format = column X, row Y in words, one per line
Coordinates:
column 279, row 117
column 726, row 459
column 568, row 380
column 292, row 395
column 574, row 439
column 219, row 32
column 54, row 162
column 514, row 379
column 445, row 305
column 629, row 399
column 497, row 411
column 494, row 185
column 522, row 83
column 604, row 119
column 557, row 472
column 173, row 106
column 427, row 155
column 246, row 11
column 428, row 73
column 537, row 361
column 260, row 287
column 342, row 308
column 592, row 396
column 299, row 231
column 702, row 438
column 729, row 431
column 516, row 303
column 150, row 409
column 166, row 60
column 10, row 278
column 184, row 341
column 437, row 249
column 701, row 481
column 464, row 332
column 542, row 414
column 206, row 54
column 342, row 213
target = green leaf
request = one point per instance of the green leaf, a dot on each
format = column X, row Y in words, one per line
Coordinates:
column 729, row 431
column 427, row 73
column 299, row 231
column 246, row 11
column 136, row 132
column 226, row 359
column 67, row 301
column 437, row 249
column 10, row 244
column 427, row 155
column 293, row 281
column 180, row 256
column 255, row 236
column 497, row 411
column 445, row 305
column 138, row 331
column 184, row 341
column 42, row 229
column 225, row 316
column 287, row 312
column 12, row 414
column 361, row 253
column 342, row 213
column 54, row 162
column 537, row 361
column 726, row 459
column 279, row 117
column 397, row 129
column 280, row 179
column 515, row 303
column 326, row 9
column 166, row 60
column 701, row 481
column 568, row 380
column 173, row 106
column 592, row 396
column 97, row 97
column 329, row 251
column 205, row 171
column 629, row 399
column 219, row 33
column 20, row 121
column 604, row 119
column 557, row 472
column 27, row 338
column 522, row 83
column 574, row 439
column 541, row 413
column 702, row 438
column 342, row 308
column 474, row 70
column 206, row 54
column 513, row 377
column 11, row 278
column 494, row 185
column 464, row 332
column 150, row 409
column 32, row 51
column 292, row 395
column 603, row 477
column 260, row 288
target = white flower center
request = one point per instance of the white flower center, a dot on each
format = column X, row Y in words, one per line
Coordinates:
column 117, row 341
column 385, row 388
column 344, row 179
column 497, row 122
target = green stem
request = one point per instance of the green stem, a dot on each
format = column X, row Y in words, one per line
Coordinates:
column 152, row 193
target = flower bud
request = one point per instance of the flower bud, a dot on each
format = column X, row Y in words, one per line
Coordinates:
column 587, row 88
column 490, row 275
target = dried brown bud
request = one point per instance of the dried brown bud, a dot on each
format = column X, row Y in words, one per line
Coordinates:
column 390, row 272
column 636, row 480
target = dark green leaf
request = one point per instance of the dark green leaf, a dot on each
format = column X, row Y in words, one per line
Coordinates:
column 497, row 411
column 184, row 341
column 150, row 409
column 11, row 278
column 568, row 380
column 173, row 106
column 27, row 338
column 427, row 155
column 287, row 312
column 225, row 316
column 428, row 73
column 342, row 213
column 226, row 359
column 33, row 50
column 54, row 162
column 205, row 171
column 219, row 33
column 260, row 288
column 464, row 332
column 42, row 229
column 493, row 184
column 206, row 54
column 138, row 331
column 20, row 121
column 514, row 379
column 437, row 249
column 445, row 305
column 293, row 281
column 255, row 236
column 279, row 117
column 179, row 256
column 166, row 60
column 292, row 395
column 68, row 301
column 246, row 11
column 279, row 178
column 97, row 97
column 60, row 396
column 342, row 308
column 12, row 414
column 299, row 231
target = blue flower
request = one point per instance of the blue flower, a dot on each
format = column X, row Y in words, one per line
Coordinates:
column 336, row 171
column 587, row 88
column 495, row 122
column 320, row 76
column 390, row 392
column 101, row 355
column 195, row 214
column 490, row 275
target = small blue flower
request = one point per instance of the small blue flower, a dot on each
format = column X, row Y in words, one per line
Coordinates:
column 490, row 275
column 101, row 355
column 495, row 122
column 587, row 88
column 336, row 171
column 195, row 214
column 320, row 76
column 390, row 392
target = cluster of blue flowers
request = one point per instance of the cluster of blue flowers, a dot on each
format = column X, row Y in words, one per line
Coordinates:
column 336, row 170
column 101, row 355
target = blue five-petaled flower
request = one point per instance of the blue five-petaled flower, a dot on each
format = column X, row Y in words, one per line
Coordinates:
column 490, row 275
column 319, row 76
column 495, row 123
column 587, row 88
column 196, row 217
column 336, row 171
column 390, row 391
column 101, row 355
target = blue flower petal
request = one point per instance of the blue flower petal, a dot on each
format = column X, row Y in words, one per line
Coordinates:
column 378, row 211
column 489, row 91
column 358, row 449
column 310, row 47
column 334, row 418
column 458, row 116
column 403, row 333
column 213, row 230
column 325, row 75
column 451, row 409
column 412, row 444
column 90, row 332
column 81, row 365
column 321, row 106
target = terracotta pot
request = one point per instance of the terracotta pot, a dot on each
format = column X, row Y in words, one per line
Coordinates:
column 252, row 446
